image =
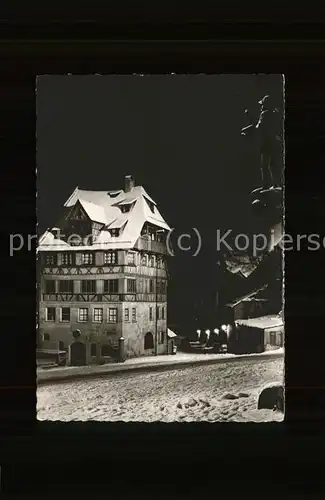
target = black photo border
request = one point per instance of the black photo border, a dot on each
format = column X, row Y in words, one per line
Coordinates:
column 53, row 453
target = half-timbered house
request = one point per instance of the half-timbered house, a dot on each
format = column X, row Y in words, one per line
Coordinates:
column 103, row 271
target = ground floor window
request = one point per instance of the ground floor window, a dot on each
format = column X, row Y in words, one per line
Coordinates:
column 162, row 337
column 98, row 315
column 61, row 345
column 134, row 314
column 50, row 314
column 93, row 349
column 148, row 341
column 105, row 350
column 112, row 315
column 65, row 314
column 83, row 315
column 46, row 336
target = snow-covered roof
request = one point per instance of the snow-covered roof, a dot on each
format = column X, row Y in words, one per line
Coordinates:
column 264, row 322
column 171, row 334
column 103, row 208
column 247, row 297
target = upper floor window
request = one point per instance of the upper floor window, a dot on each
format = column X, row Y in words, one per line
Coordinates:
column 66, row 259
column 50, row 259
column 110, row 257
column 111, row 286
column 87, row 258
column 144, row 260
column 66, row 286
column 163, row 312
column 88, row 286
column 49, row 286
column 131, row 286
column 131, row 258
column 152, row 261
column 151, row 286
column 126, row 315
column 134, row 314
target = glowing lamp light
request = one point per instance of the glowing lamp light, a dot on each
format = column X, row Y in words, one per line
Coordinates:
column 207, row 331
column 198, row 331
column 216, row 330
column 224, row 328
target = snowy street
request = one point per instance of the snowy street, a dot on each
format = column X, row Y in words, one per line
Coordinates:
column 219, row 392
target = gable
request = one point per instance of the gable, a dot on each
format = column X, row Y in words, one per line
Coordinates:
column 77, row 212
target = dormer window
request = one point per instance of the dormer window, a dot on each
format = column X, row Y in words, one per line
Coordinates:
column 113, row 194
column 126, row 207
column 114, row 232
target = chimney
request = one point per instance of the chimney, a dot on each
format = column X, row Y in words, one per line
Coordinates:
column 129, row 183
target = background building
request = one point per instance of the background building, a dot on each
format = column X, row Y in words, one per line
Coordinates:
column 103, row 271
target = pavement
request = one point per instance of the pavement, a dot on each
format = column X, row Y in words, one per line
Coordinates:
column 145, row 364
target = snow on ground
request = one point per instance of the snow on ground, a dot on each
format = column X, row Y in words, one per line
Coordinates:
column 213, row 393
column 176, row 358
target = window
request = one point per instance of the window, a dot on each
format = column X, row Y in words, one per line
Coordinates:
column 88, row 286
column 66, row 286
column 162, row 337
column 134, row 314
column 65, row 314
column 126, row 315
column 162, row 313
column 150, row 313
column 50, row 314
column 49, row 286
column 50, row 259
column 111, row 286
column 148, row 341
column 46, row 337
column 112, row 315
column 126, row 208
column 152, row 261
column 158, row 311
column 163, row 287
column 144, row 260
column 93, row 349
column 272, row 338
column 66, row 259
column 87, row 258
column 61, row 345
column 98, row 315
column 110, row 257
column 83, row 315
column 130, row 286
column 105, row 350
column 131, row 258
column 114, row 232
column 151, row 287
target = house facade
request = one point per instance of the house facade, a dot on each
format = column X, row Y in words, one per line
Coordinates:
column 103, row 272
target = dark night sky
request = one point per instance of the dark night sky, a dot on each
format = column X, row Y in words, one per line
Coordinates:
column 179, row 136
